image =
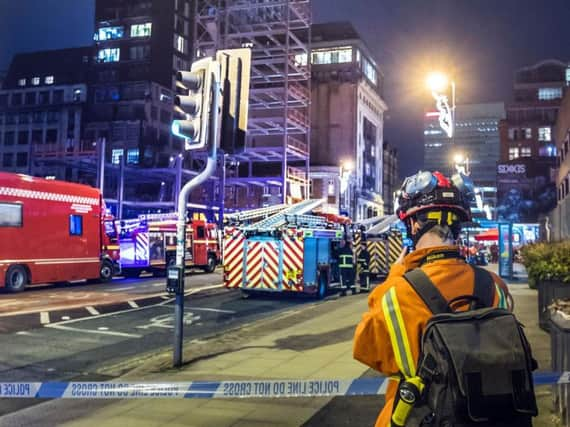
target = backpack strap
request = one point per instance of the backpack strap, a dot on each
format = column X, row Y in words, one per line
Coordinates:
column 427, row 291
column 484, row 288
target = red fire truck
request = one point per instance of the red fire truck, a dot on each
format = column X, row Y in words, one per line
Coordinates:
column 149, row 244
column 53, row 231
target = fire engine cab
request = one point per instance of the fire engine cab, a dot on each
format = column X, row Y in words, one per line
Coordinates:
column 53, row 231
column 148, row 243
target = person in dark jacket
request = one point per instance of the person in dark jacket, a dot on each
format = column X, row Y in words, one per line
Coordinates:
column 346, row 266
column 363, row 261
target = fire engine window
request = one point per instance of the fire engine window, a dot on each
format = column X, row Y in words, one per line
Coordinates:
column 10, row 215
column 75, row 225
column 201, row 233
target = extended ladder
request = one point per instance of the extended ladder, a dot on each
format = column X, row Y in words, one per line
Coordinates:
column 254, row 213
column 280, row 219
column 383, row 225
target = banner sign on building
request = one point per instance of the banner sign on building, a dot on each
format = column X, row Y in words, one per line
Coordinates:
column 524, row 191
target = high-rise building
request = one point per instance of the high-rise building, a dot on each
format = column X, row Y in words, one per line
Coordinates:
column 391, row 181
column 525, row 175
column 274, row 166
column 475, row 138
column 139, row 45
column 347, row 120
column 560, row 216
column 42, row 104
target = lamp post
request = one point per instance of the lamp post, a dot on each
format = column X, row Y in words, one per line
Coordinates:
column 461, row 163
column 439, row 84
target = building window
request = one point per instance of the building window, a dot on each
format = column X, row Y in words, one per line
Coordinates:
column 4, row 100
column 109, row 55
column 332, row 56
column 513, row 134
column 549, row 93
column 30, row 98
column 16, row 99
column 51, row 136
column 37, row 136
column 527, row 133
column 513, row 153
column 547, row 151
column 9, row 138
column 58, row 97
column 50, row 80
column 110, row 33
column 301, row 59
column 75, row 225
column 141, row 30
column 22, row 82
column 8, row 160
column 10, row 215
column 36, row 81
column 139, row 53
column 180, row 44
column 44, row 98
column 116, row 155
column 133, row 156
column 23, row 137
column 370, row 71
column 21, row 160
column 544, row 134
column 526, row 152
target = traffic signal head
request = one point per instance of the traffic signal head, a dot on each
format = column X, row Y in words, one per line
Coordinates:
column 235, row 70
column 193, row 106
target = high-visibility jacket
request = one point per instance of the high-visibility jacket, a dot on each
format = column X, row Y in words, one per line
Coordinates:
column 388, row 337
column 345, row 258
column 363, row 261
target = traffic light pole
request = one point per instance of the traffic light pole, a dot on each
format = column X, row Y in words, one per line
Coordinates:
column 213, row 135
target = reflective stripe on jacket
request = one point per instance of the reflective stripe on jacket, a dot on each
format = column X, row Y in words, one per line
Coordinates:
column 388, row 337
column 346, row 261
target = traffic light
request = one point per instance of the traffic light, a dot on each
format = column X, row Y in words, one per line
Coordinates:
column 194, row 104
column 235, row 71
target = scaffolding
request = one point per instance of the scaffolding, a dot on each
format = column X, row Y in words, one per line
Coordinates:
column 275, row 164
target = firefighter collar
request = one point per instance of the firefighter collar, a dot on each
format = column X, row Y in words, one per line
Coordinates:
column 419, row 256
column 441, row 254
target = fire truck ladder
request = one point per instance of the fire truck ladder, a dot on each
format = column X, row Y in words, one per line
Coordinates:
column 309, row 221
column 383, row 225
column 240, row 217
column 280, row 218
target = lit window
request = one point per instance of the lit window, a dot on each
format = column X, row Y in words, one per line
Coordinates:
column 301, row 59
column 547, row 151
column 109, row 55
column 36, row 81
column 567, row 76
column 527, row 133
column 548, row 93
column 544, row 134
column 526, row 152
column 111, row 33
column 49, row 80
column 513, row 153
column 141, row 30
column 133, row 156
column 369, row 71
column 181, row 44
column 116, row 156
column 22, row 82
column 332, row 56
column 513, row 134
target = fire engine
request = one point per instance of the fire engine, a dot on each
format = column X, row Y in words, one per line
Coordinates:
column 384, row 241
column 291, row 249
column 53, row 231
column 148, row 243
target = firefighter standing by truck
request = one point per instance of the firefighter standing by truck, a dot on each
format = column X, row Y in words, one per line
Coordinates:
column 363, row 261
column 346, row 266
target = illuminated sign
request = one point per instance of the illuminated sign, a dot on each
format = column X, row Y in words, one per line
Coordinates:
column 516, row 169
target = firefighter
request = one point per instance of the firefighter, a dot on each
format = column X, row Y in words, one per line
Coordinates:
column 387, row 338
column 364, row 268
column 346, row 266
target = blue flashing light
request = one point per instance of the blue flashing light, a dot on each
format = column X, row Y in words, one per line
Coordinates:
column 176, row 129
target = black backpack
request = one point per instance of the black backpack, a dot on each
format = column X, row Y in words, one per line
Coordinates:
column 476, row 365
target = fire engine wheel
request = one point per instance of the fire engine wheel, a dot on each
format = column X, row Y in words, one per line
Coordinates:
column 211, row 266
column 322, row 287
column 16, row 278
column 106, row 271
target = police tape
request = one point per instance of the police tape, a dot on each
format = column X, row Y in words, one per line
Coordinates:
column 216, row 389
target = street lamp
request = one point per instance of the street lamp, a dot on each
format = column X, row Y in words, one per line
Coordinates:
column 345, row 171
column 438, row 83
column 461, row 163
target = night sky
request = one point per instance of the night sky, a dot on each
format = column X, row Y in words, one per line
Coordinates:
column 481, row 42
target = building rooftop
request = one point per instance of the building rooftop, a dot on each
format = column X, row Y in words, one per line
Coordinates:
column 333, row 31
column 67, row 66
column 549, row 70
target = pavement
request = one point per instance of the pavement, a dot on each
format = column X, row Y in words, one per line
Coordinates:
column 309, row 342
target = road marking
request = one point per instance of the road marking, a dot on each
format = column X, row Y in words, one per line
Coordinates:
column 24, row 333
column 44, row 317
column 90, row 331
column 102, row 328
column 215, row 310
column 92, row 310
column 66, row 319
column 156, row 285
column 122, row 289
column 133, row 304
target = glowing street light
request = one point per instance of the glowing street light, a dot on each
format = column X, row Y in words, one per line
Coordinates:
column 438, row 83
